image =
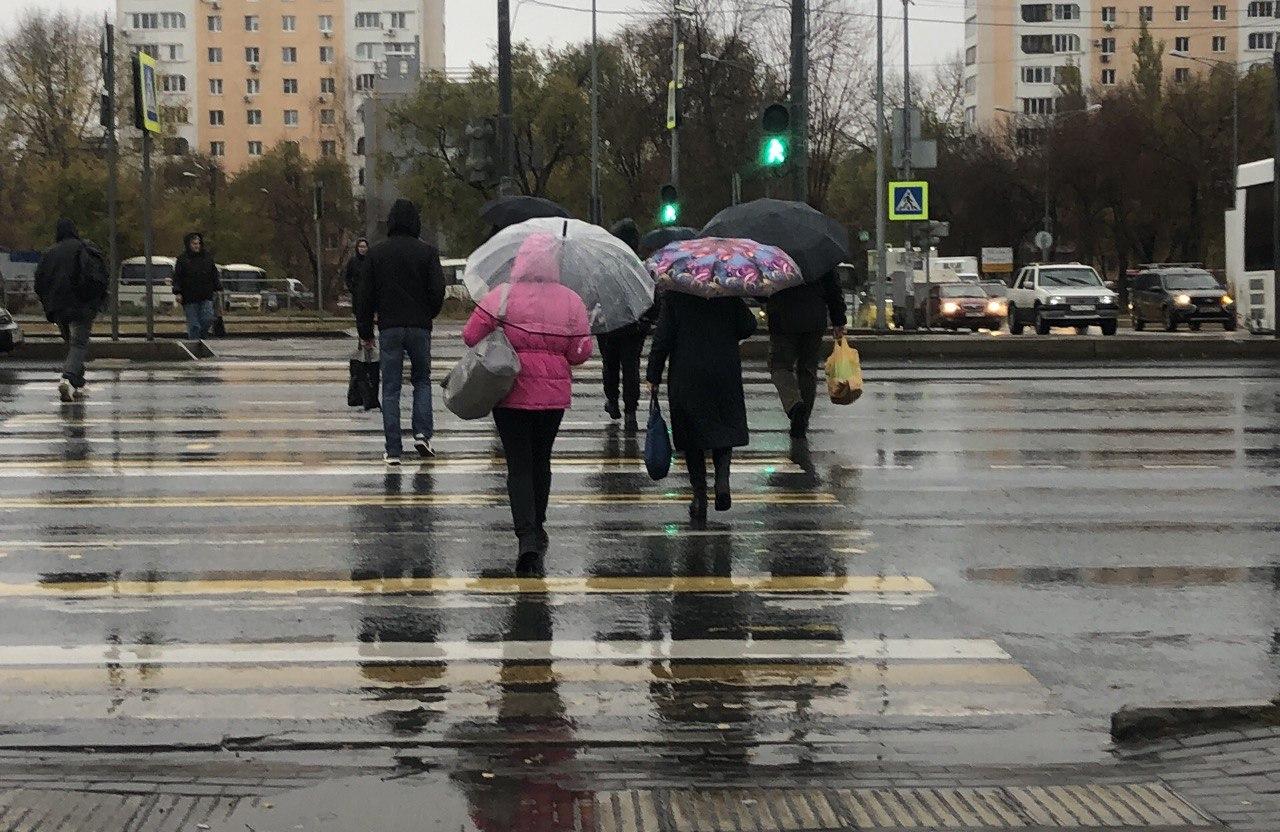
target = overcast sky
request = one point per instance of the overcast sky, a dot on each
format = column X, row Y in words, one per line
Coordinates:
column 471, row 24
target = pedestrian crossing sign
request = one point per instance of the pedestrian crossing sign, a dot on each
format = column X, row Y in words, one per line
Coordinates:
column 908, row 200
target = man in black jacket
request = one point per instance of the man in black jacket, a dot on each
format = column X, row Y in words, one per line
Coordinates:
column 401, row 286
column 797, row 321
column 195, row 285
column 621, row 349
column 71, row 283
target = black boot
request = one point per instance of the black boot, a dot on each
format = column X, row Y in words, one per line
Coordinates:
column 530, row 565
column 613, row 410
column 631, row 423
column 799, row 420
column 698, row 509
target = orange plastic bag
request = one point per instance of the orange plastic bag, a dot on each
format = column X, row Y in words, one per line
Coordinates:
column 844, row 374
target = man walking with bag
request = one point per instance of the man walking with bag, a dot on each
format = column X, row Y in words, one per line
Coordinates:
column 797, row 321
column 71, row 282
column 402, row 289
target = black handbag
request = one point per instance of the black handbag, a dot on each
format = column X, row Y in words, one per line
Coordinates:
column 364, row 380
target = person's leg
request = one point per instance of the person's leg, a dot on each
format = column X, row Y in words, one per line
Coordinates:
column 546, row 425
column 808, row 350
column 76, row 334
column 516, row 432
column 696, row 462
column 723, row 457
column 418, row 345
column 207, row 316
column 611, row 366
column 391, row 350
column 192, row 313
column 632, row 348
column 782, row 369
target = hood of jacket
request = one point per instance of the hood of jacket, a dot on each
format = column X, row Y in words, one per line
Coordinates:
column 64, row 230
column 627, row 231
column 404, row 220
column 187, row 240
column 537, row 260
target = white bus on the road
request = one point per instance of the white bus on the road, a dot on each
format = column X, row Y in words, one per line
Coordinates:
column 1250, row 257
column 133, row 281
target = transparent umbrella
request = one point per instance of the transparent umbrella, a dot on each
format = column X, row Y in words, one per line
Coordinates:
column 604, row 271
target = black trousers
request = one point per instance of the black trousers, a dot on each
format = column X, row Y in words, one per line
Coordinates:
column 793, row 366
column 696, row 462
column 527, row 437
column 621, row 352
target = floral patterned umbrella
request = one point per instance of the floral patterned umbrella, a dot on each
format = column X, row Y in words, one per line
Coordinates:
column 717, row 267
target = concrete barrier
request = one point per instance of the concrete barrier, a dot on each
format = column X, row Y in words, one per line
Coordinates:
column 1047, row 348
column 123, row 350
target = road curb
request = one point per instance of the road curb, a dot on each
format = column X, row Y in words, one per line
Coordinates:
column 1142, row 723
column 131, row 350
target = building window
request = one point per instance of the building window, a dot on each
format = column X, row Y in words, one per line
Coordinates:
column 253, row 117
column 158, row 20
column 215, row 54
column 1037, row 13
column 1219, row 43
column 400, row 48
column 1262, row 8
column 1108, row 77
column 1066, row 11
column 1146, row 13
column 289, row 54
column 1108, row 46
column 252, row 55
column 1066, row 43
column 214, row 22
column 1037, row 44
column 175, row 115
column 328, row 86
column 1182, row 12
column 971, row 56
column 255, row 148
column 366, row 81
column 328, row 147
column 1219, row 12
column 173, row 52
column 216, row 118
column 252, row 23
column 326, row 54
column 1182, row 44
column 1037, row 74
column 1181, row 75
column 253, row 86
column 399, row 20
column 368, row 20
column 1261, row 40
column 289, row 23
column 328, row 117
column 290, row 118
column 291, row 86
column 971, row 85
column 366, row 51
column 326, row 23
column 360, row 177
column 1037, row 106
column 217, row 148
column 1108, row 14
column 360, row 146
column 215, row 86
column 173, row 83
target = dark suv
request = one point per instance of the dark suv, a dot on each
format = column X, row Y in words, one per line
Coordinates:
column 1180, row 294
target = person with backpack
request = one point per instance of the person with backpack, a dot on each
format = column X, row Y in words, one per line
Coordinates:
column 401, row 287
column 195, row 285
column 72, row 283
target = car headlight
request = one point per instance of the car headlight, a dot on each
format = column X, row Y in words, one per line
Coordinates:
column 950, row 308
column 1057, row 300
column 1183, row 300
column 1108, row 300
column 996, row 307
column 1227, row 300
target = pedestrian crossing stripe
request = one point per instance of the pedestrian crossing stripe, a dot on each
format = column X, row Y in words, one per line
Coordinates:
column 908, row 200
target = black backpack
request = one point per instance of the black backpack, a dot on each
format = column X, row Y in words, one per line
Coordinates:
column 91, row 279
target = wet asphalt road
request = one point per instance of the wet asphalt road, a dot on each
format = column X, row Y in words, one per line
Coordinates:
column 968, row 565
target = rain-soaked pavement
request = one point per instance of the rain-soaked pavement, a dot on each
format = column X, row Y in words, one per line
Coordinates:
column 969, row 565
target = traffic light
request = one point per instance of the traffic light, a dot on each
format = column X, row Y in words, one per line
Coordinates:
column 482, row 152
column 668, row 205
column 775, row 149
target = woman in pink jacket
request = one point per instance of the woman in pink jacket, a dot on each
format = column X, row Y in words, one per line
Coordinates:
column 547, row 325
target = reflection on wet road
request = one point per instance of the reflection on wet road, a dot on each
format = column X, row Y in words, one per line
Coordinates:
column 980, row 563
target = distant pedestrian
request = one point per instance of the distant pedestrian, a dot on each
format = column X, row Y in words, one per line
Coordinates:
column 798, row 320
column 547, row 325
column 351, row 273
column 402, row 288
column 700, row 337
column 622, row 348
column 196, row 285
column 71, row 281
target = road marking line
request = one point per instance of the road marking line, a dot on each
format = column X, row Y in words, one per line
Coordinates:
column 1187, row 467
column 388, row 500
column 1045, row 467
column 482, row 586
column 330, row 653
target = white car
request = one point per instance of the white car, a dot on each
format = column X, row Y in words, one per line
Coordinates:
column 1061, row 294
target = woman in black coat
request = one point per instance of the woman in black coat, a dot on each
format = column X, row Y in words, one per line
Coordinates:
column 707, row 405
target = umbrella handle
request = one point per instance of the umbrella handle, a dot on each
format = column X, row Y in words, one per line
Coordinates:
column 565, row 232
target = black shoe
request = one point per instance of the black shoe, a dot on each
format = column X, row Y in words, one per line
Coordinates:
column 799, row 424
column 724, row 501
column 631, row 423
column 544, row 540
column 698, row 510
column 530, row 565
column 613, row 410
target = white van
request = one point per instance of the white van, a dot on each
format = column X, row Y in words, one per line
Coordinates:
column 245, row 286
column 133, row 281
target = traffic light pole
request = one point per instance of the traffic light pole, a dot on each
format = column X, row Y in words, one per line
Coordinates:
column 1275, row 200
column 506, row 145
column 906, row 149
column 800, row 99
column 675, row 80
column 597, row 214
column 882, row 259
column 113, row 173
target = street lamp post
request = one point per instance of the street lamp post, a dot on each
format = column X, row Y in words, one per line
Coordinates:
column 596, row 212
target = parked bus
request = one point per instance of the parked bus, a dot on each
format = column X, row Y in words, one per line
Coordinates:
column 133, row 281
column 1250, row 255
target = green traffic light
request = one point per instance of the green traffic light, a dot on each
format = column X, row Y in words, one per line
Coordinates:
column 775, row 151
column 669, row 214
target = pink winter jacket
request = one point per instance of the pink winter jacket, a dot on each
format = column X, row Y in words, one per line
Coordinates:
column 546, row 323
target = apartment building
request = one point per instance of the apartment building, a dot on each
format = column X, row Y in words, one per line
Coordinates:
column 1016, row 53
column 237, row 77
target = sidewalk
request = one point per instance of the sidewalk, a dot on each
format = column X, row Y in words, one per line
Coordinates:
column 1226, row 779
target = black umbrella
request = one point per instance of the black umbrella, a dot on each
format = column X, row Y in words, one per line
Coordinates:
column 660, row 237
column 511, row 210
column 815, row 241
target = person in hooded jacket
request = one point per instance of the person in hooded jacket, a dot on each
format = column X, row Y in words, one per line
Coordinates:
column 546, row 323
column 401, row 287
column 621, row 349
column 71, row 299
column 700, row 337
column 196, row 285
column 351, row 273
column 798, row 319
